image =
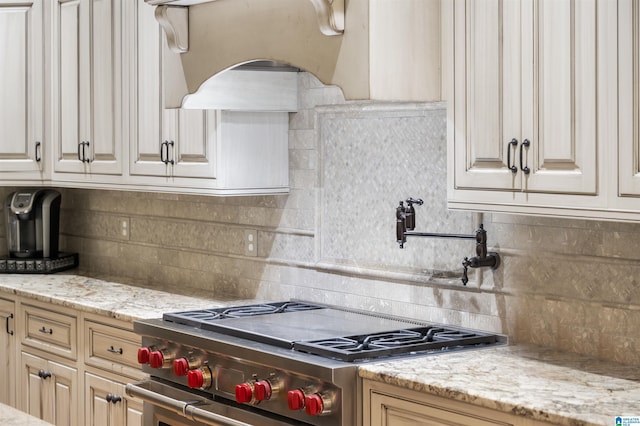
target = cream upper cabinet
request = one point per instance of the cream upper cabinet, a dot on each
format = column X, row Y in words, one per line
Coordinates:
column 164, row 142
column 190, row 150
column 522, row 101
column 87, row 80
column 629, row 102
column 21, row 90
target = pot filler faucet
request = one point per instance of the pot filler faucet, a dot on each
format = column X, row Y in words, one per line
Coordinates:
column 406, row 223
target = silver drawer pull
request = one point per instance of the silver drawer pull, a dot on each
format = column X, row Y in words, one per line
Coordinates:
column 45, row 331
column 115, row 351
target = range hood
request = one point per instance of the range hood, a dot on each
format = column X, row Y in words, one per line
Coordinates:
column 372, row 49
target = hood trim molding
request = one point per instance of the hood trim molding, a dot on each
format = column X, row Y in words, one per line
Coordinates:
column 330, row 16
column 391, row 52
column 175, row 21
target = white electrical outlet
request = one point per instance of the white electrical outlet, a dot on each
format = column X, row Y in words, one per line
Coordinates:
column 250, row 242
column 124, row 228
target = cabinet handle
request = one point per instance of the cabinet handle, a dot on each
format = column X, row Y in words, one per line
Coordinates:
column 114, row 399
column 170, row 161
column 525, row 144
column 513, row 168
column 43, row 374
column 44, row 330
column 38, row 151
column 164, row 152
column 85, row 159
column 115, row 351
column 10, row 332
column 82, row 152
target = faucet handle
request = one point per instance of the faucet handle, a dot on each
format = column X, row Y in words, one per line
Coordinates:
column 401, row 224
column 465, row 265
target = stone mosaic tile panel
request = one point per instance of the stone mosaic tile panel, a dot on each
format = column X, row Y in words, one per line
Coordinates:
column 371, row 158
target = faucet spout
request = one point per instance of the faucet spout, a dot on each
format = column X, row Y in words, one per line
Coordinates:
column 405, row 223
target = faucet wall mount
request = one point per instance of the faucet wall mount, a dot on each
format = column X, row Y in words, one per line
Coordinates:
column 405, row 225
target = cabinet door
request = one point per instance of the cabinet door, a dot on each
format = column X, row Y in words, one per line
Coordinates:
column 388, row 405
column 49, row 390
column 88, row 86
column 559, row 90
column 629, row 98
column 487, row 107
column 102, row 410
column 389, row 411
column 525, row 71
column 8, row 355
column 21, row 87
column 190, row 134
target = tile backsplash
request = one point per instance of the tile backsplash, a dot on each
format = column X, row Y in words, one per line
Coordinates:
column 570, row 284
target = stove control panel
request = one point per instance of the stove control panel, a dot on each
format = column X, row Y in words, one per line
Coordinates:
column 243, row 381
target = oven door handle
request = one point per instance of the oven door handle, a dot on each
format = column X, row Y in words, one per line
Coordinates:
column 188, row 409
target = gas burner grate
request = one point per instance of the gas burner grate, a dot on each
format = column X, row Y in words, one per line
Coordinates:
column 398, row 342
column 199, row 317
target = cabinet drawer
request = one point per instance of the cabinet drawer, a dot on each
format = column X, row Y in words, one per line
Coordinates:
column 110, row 347
column 50, row 331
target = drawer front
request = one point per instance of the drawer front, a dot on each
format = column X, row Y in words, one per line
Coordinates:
column 50, row 331
column 107, row 345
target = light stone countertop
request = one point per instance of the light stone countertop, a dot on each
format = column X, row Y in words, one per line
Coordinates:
column 10, row 416
column 541, row 384
column 111, row 299
column 537, row 383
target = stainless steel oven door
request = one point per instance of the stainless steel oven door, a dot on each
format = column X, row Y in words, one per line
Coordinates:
column 165, row 405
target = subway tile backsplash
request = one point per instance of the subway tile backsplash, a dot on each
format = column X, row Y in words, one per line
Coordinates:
column 570, row 284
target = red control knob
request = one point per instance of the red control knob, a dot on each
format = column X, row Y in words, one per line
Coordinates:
column 156, row 359
column 143, row 355
column 262, row 390
column 200, row 378
column 244, row 392
column 181, row 367
column 313, row 404
column 295, row 399
column 195, row 379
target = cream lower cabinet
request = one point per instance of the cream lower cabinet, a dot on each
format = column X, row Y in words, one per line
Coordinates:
column 387, row 405
column 110, row 361
column 8, row 355
column 48, row 374
column 72, row 366
column 49, row 390
column 106, row 403
column 21, row 90
column 522, row 108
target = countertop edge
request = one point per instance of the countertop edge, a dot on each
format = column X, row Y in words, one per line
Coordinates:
column 536, row 383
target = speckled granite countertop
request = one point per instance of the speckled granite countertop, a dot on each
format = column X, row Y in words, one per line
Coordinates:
column 536, row 383
column 542, row 384
column 12, row 417
column 115, row 300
